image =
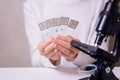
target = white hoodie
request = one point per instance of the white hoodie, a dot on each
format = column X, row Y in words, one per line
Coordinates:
column 45, row 19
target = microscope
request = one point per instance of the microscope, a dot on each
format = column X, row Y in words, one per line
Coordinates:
column 108, row 25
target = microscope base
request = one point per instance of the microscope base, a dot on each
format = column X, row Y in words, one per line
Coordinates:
column 86, row 78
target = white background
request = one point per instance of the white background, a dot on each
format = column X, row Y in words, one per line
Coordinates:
column 14, row 48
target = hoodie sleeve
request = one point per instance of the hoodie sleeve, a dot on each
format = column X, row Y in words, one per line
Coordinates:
column 34, row 36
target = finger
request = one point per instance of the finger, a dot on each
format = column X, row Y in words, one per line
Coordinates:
column 48, row 55
column 49, row 48
column 64, row 55
column 59, row 53
column 64, row 43
column 65, row 38
column 65, row 51
column 67, row 46
column 68, row 56
column 73, row 38
column 42, row 46
column 72, row 48
column 53, row 52
column 55, row 55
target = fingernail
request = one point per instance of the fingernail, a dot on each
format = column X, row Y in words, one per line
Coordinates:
column 55, row 50
column 55, row 45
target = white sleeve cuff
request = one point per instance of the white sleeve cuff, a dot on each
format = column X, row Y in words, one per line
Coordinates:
column 83, row 59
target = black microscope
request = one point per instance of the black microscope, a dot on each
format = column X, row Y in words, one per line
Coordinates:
column 108, row 25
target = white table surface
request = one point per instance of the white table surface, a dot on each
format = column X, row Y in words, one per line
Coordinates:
column 44, row 74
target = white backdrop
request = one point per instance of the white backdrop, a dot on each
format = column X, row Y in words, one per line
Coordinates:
column 14, row 48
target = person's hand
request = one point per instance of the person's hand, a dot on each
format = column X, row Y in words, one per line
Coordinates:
column 64, row 46
column 47, row 49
